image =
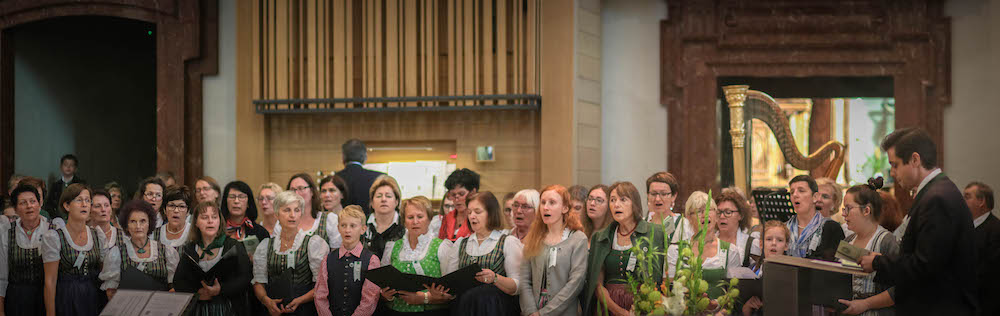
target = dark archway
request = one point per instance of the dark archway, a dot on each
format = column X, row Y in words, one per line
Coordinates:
column 186, row 50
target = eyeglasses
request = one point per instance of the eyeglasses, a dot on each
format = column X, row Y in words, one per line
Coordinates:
column 176, row 207
column 524, row 206
column 237, row 197
column 153, row 195
column 595, row 200
column 847, row 209
column 447, row 207
column 267, row 198
column 728, row 213
column 82, row 200
column 205, row 189
column 660, row 194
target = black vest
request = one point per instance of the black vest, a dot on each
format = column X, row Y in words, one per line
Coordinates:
column 344, row 291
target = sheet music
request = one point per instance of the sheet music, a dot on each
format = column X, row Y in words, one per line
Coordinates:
column 126, row 303
column 166, row 304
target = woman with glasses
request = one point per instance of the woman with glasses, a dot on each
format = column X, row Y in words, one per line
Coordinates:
column 460, row 184
column 734, row 224
column 862, row 208
column 72, row 258
column 313, row 221
column 523, row 212
column 151, row 190
column 332, row 190
column 597, row 216
column 174, row 233
column 268, row 218
column 661, row 190
column 239, row 210
column 719, row 256
column 206, row 189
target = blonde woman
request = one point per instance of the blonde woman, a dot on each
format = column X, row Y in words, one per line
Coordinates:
column 267, row 193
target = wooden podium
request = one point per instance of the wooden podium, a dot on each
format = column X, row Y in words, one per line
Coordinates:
column 792, row 286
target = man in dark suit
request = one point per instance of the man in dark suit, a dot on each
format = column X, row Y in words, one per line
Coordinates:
column 67, row 169
column 979, row 198
column 359, row 180
column 934, row 273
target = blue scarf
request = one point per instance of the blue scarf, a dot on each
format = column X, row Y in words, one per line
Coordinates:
column 799, row 245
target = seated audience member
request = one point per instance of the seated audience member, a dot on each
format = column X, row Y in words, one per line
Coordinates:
column 289, row 263
column 340, row 291
column 979, row 197
column 610, row 253
column 419, row 252
column 807, row 225
column 460, row 184
column 383, row 223
column 597, row 217
column 734, row 226
column 720, row 257
column 523, row 211
column 499, row 256
column 555, row 254
column 862, row 208
column 775, row 242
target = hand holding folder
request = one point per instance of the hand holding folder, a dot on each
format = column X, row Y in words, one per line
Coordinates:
column 457, row 282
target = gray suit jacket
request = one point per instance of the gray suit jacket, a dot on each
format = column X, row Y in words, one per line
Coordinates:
column 565, row 279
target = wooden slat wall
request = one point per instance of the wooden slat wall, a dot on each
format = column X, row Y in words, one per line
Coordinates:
column 307, row 49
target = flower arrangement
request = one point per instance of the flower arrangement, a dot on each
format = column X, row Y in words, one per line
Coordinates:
column 688, row 295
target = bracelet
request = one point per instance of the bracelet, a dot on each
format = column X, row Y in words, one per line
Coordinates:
column 494, row 279
column 427, row 298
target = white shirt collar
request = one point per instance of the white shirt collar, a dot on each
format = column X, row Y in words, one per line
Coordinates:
column 353, row 163
column 979, row 220
column 395, row 218
column 66, row 181
column 927, row 180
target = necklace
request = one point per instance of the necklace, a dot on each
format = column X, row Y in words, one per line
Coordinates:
column 167, row 228
column 628, row 233
column 141, row 249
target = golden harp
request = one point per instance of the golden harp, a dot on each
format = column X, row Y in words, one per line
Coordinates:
column 745, row 105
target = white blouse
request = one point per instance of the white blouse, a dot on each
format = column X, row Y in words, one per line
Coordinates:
column 51, row 245
column 512, row 251
column 111, row 272
column 719, row 260
column 408, row 254
column 22, row 240
column 109, row 242
column 435, row 226
column 207, row 264
column 741, row 242
column 332, row 232
column 317, row 251
column 175, row 243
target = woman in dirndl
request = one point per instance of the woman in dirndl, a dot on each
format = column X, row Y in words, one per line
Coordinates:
column 72, row 257
column 136, row 258
column 21, row 290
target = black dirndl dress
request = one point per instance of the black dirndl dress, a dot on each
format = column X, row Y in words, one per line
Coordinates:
column 486, row 299
column 25, row 289
column 78, row 290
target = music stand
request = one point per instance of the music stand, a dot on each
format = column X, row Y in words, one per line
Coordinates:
column 773, row 205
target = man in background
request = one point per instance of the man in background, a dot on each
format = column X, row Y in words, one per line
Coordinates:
column 67, row 168
column 359, row 180
column 979, row 197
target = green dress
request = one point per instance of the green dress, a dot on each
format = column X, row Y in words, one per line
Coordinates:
column 430, row 265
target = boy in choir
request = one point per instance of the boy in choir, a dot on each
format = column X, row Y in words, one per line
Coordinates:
column 343, row 271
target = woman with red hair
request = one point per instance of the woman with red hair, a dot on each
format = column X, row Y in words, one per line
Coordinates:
column 555, row 254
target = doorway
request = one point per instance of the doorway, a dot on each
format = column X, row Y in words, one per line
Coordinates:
column 85, row 85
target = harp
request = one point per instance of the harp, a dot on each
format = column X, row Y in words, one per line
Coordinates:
column 745, row 105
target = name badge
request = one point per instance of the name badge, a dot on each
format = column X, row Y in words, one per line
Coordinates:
column 631, row 262
column 419, row 269
column 80, row 256
column 141, row 266
column 290, row 260
column 357, row 271
column 553, row 256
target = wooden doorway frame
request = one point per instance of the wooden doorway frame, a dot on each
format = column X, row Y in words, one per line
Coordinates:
column 702, row 41
column 186, row 50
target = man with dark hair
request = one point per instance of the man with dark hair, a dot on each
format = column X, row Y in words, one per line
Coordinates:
column 67, row 169
column 934, row 273
column 979, row 197
column 812, row 235
column 359, row 180
column 460, row 184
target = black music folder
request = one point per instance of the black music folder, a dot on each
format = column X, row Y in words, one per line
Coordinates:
column 458, row 282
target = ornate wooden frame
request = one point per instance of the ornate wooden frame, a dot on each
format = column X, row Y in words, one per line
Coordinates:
column 186, row 50
column 703, row 40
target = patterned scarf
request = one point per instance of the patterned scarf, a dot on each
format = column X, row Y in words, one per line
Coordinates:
column 238, row 230
column 801, row 241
